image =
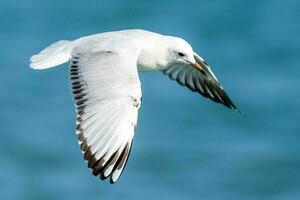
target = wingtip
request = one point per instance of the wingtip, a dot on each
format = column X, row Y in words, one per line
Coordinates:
column 236, row 109
column 112, row 181
column 232, row 106
column 240, row 112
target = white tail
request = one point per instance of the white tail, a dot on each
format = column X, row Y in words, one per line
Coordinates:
column 56, row 54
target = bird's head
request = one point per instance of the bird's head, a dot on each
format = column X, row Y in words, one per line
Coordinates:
column 180, row 52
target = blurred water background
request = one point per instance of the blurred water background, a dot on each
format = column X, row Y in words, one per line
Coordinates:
column 186, row 147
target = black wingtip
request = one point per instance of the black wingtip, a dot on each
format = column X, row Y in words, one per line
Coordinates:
column 111, row 181
column 229, row 103
column 233, row 107
column 240, row 112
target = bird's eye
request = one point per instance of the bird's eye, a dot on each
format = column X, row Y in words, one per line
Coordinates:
column 181, row 54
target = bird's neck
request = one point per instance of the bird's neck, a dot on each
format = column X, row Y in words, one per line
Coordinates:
column 153, row 55
column 147, row 62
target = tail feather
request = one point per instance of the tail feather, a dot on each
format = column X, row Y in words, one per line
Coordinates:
column 56, row 54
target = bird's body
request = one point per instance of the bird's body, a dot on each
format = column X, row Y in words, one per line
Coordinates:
column 107, row 93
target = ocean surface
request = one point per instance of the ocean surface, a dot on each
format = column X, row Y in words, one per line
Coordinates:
column 186, row 146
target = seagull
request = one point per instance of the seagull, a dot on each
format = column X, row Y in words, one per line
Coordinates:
column 107, row 91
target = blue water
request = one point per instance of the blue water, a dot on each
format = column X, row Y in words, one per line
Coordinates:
column 186, row 147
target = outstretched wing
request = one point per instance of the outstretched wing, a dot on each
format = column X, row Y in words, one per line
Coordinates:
column 107, row 94
column 203, row 82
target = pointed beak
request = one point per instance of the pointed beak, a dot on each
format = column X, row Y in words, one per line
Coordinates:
column 199, row 67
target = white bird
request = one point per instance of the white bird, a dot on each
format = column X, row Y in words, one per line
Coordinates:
column 107, row 91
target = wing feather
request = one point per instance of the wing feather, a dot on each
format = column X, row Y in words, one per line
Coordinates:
column 107, row 95
column 204, row 83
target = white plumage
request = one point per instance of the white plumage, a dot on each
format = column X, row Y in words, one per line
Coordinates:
column 106, row 87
